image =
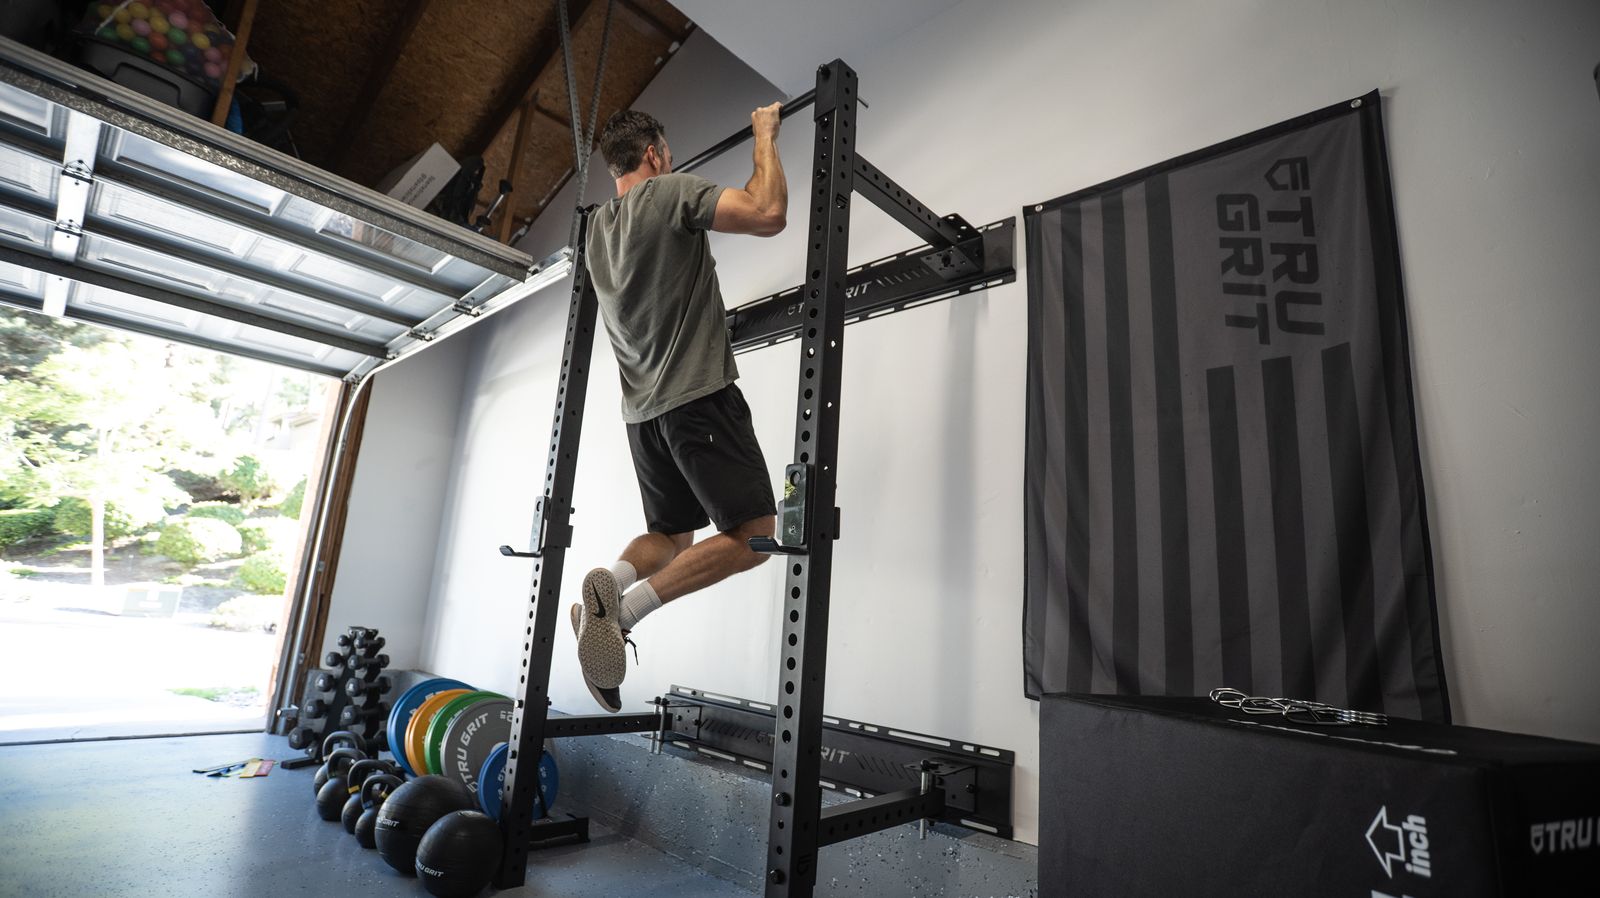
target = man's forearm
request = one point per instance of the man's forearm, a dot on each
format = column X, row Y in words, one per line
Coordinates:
column 768, row 186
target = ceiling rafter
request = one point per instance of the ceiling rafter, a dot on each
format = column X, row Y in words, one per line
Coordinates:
column 378, row 77
column 519, row 89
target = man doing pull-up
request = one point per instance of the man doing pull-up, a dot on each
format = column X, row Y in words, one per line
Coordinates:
column 694, row 448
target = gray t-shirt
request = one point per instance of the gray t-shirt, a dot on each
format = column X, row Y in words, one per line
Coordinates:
column 651, row 266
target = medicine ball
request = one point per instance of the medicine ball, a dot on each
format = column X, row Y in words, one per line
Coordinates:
column 459, row 854
column 408, row 813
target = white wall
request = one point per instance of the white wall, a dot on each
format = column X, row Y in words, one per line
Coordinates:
column 396, row 500
column 1494, row 137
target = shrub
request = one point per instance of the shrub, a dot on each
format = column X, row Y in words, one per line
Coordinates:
column 126, row 514
column 290, row 506
column 248, row 478
column 222, row 511
column 201, row 487
column 74, row 518
column 194, row 540
column 248, row 613
column 262, row 574
column 275, row 535
column 18, row 524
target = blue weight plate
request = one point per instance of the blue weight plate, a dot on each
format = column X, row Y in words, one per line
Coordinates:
column 493, row 777
column 407, row 705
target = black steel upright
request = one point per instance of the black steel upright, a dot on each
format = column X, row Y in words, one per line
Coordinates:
column 796, row 793
column 958, row 256
column 552, row 536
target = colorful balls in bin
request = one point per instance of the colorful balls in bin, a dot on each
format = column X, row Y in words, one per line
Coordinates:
column 177, row 36
column 140, row 45
column 175, row 56
column 200, row 40
column 140, row 27
column 125, row 32
column 138, row 10
column 178, row 20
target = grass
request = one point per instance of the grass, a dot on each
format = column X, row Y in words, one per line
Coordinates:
column 218, row 693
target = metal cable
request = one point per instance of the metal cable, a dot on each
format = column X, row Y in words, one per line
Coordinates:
column 583, row 135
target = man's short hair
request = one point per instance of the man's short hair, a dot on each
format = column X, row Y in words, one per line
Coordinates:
column 626, row 136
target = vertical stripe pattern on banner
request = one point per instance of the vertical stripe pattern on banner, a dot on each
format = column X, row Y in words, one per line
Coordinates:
column 1076, row 444
column 1227, row 490
column 1172, row 472
column 1124, row 507
column 1289, row 529
column 1349, row 499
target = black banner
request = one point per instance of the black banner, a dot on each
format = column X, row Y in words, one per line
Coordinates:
column 1222, row 482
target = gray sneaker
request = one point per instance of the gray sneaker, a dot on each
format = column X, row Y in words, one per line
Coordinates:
column 609, row 699
column 601, row 651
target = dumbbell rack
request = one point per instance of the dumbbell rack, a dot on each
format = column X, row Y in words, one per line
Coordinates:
column 347, row 695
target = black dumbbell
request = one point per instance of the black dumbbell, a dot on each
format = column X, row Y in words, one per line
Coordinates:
column 314, row 709
column 325, row 682
column 333, row 659
column 370, row 670
column 357, row 662
column 359, row 688
column 302, row 737
column 351, row 715
column 369, row 645
column 344, row 640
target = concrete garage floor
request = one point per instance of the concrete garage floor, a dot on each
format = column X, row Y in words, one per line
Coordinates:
column 129, row 818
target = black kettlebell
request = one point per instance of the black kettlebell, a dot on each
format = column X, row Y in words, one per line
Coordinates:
column 343, row 738
column 336, row 764
column 354, row 779
column 374, row 792
column 336, row 740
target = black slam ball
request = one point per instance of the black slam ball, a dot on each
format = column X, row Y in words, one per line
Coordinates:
column 459, row 854
column 408, row 813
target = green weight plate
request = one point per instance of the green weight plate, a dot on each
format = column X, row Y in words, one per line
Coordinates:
column 441, row 725
column 471, row 736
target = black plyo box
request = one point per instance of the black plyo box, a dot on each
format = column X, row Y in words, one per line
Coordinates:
column 1182, row 797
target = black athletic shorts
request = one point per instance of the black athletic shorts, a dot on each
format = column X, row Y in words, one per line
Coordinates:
column 700, row 463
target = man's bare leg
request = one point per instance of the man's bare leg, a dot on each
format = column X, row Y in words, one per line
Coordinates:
column 653, row 551
column 709, row 561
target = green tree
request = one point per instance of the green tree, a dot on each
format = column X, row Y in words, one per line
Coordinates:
column 28, row 338
column 102, row 423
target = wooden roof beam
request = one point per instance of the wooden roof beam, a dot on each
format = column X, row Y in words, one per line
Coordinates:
column 519, row 88
column 372, row 86
column 648, row 18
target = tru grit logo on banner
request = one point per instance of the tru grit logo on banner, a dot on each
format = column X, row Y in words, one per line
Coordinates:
column 1405, row 846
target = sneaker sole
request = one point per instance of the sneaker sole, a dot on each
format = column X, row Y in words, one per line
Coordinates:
column 608, row 699
column 601, row 651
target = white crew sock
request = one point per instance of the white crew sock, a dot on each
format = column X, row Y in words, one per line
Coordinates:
column 640, row 601
column 625, row 574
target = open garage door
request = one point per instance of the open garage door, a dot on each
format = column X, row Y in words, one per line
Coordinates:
column 124, row 212
column 129, row 214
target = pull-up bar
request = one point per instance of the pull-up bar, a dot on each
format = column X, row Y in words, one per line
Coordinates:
column 789, row 108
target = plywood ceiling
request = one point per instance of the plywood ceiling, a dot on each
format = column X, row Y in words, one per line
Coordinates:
column 380, row 80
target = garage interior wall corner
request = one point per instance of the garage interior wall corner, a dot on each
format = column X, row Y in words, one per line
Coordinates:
column 392, row 527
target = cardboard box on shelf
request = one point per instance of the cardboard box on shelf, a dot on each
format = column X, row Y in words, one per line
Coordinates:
column 421, row 178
